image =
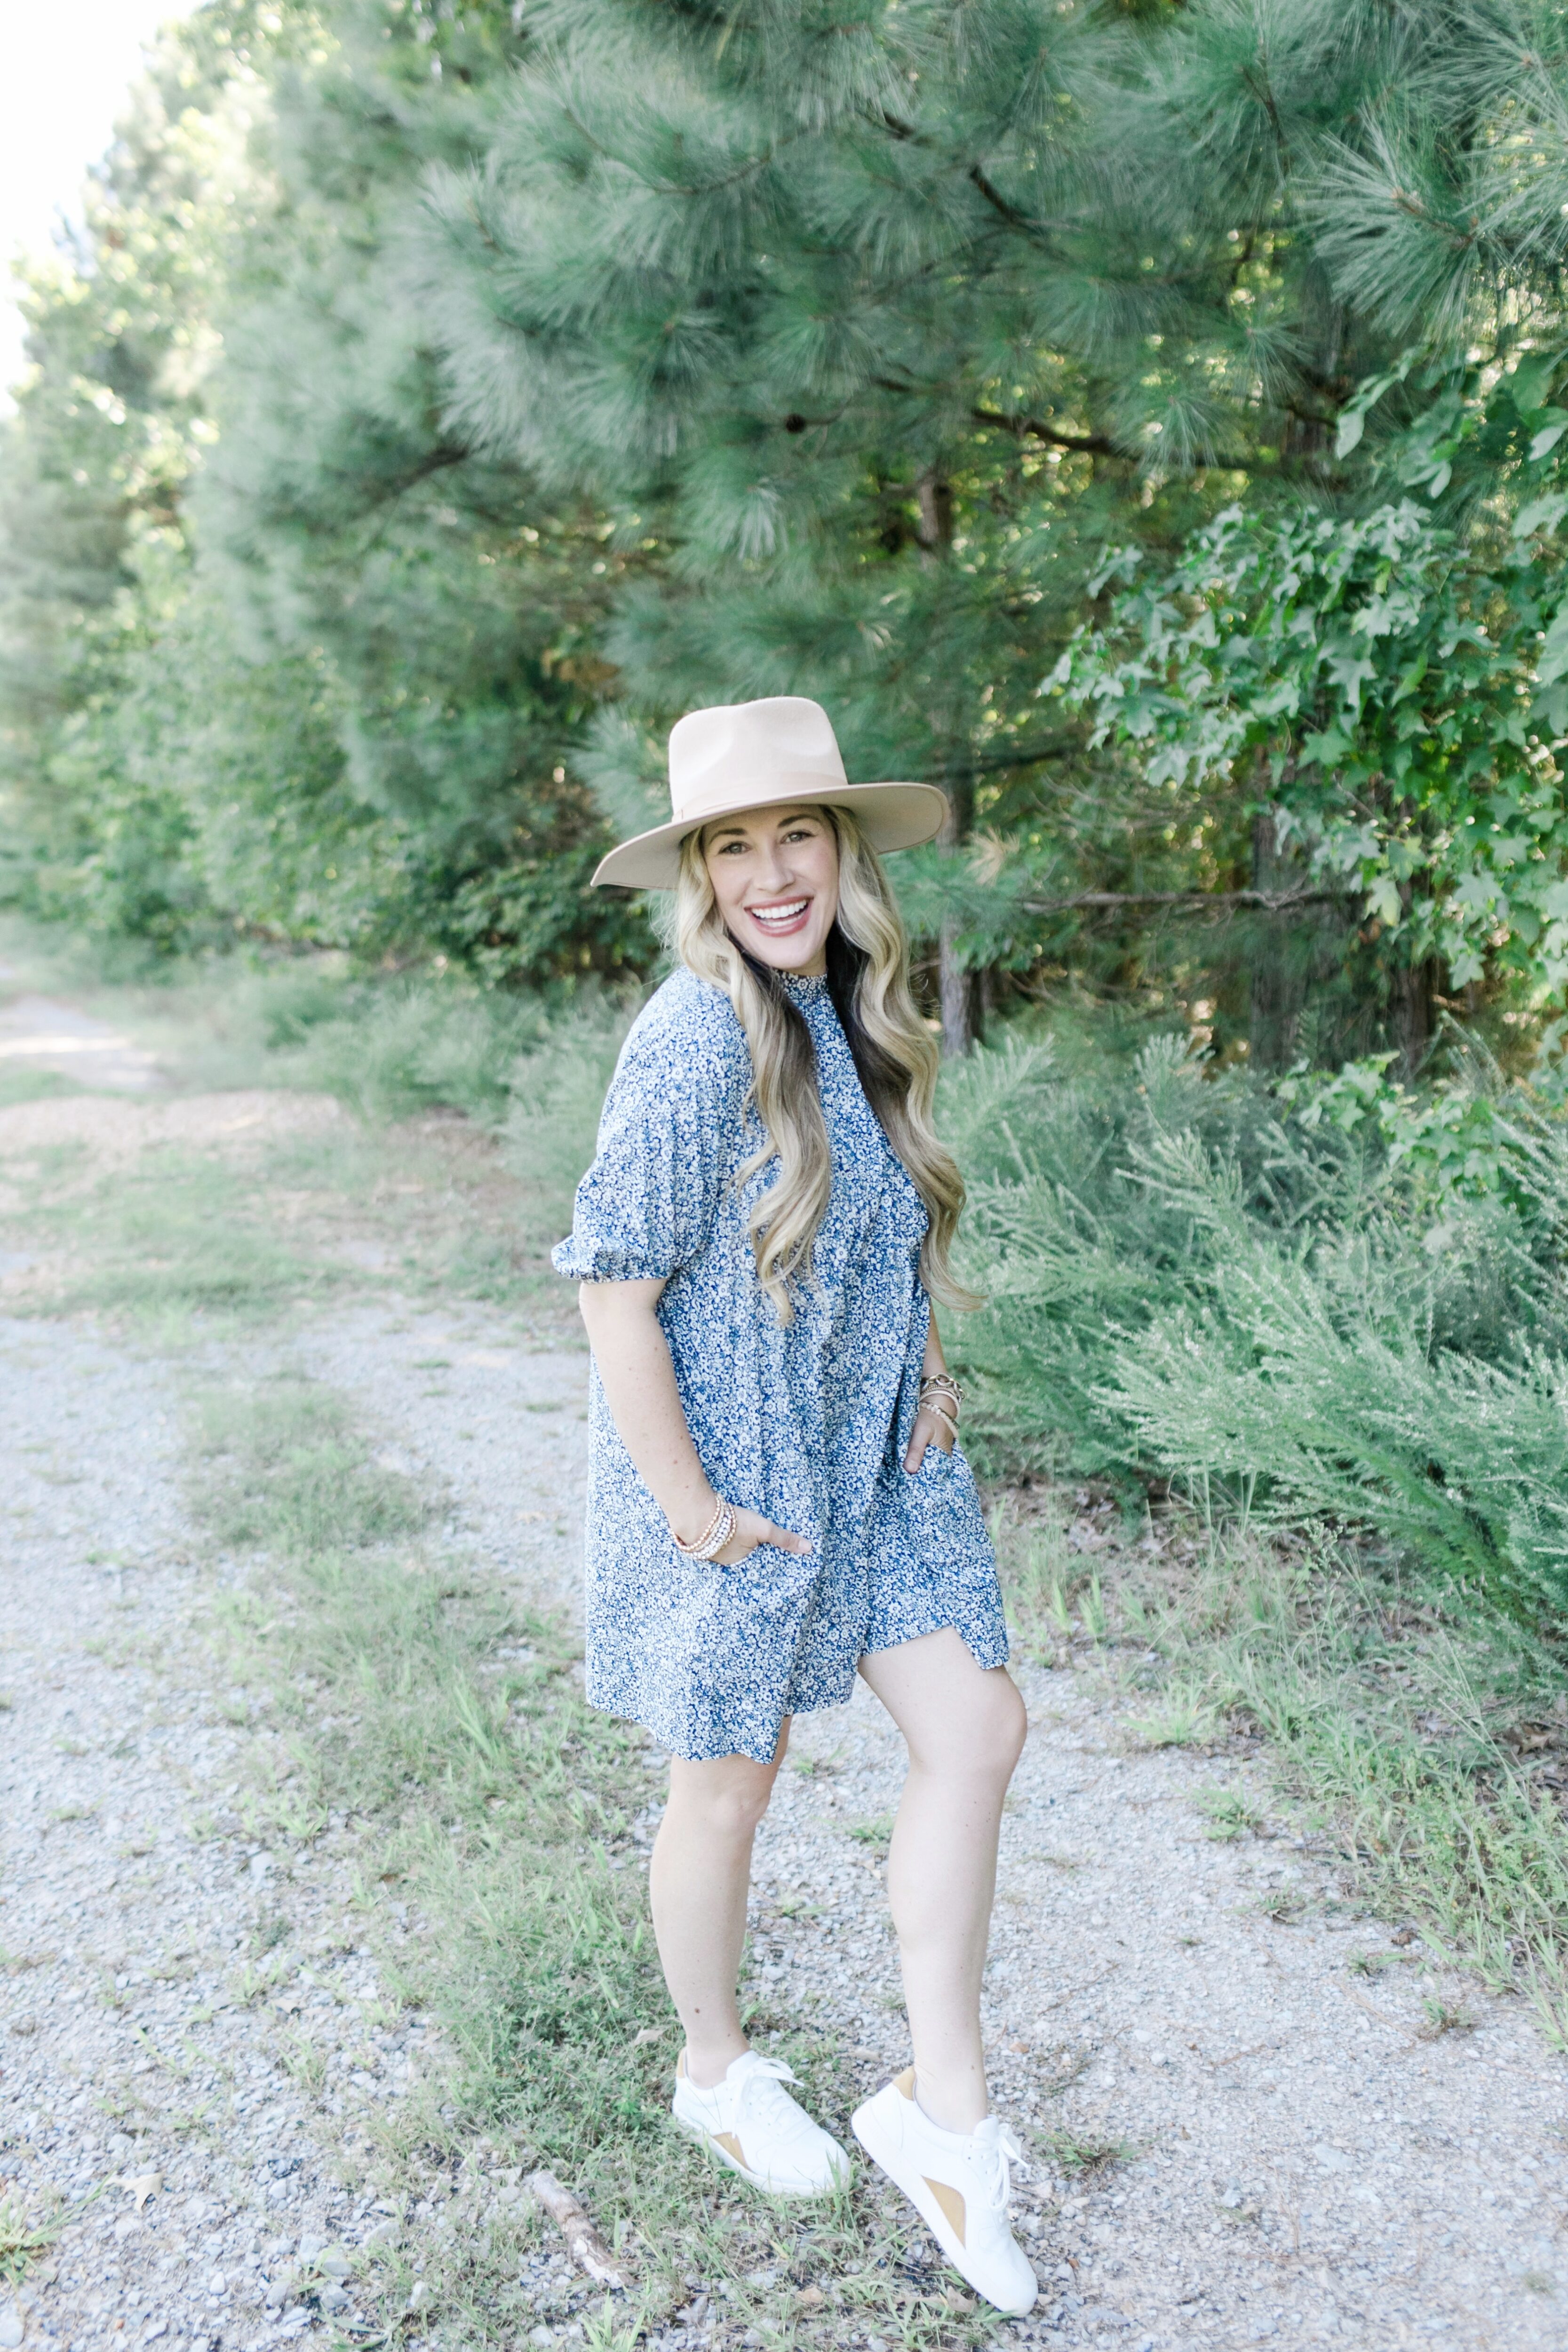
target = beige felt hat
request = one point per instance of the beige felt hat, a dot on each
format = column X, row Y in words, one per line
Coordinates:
column 754, row 755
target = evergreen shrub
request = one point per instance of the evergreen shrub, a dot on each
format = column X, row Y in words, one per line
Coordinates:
column 1192, row 1280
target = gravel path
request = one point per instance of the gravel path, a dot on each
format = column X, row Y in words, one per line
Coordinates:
column 1306, row 2165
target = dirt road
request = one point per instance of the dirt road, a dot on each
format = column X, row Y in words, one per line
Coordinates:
column 1323, row 2134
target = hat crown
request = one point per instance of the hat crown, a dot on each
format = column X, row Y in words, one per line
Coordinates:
column 722, row 757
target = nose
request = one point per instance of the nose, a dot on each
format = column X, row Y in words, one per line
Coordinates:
column 772, row 871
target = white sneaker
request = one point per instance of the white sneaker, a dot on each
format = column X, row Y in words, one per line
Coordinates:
column 959, row 2183
column 750, row 2122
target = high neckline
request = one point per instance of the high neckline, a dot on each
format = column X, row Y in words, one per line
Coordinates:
column 800, row 983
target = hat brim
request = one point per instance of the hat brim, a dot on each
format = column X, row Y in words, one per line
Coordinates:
column 891, row 816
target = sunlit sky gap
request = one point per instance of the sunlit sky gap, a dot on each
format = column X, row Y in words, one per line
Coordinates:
column 68, row 66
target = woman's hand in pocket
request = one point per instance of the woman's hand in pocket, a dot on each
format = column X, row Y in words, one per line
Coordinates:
column 751, row 1530
column 932, row 1428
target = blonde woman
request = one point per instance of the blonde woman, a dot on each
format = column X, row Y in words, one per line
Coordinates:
column 776, row 1502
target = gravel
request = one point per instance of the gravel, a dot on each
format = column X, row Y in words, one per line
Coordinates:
column 1305, row 2164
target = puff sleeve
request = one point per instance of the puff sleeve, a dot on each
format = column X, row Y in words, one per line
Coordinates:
column 668, row 1134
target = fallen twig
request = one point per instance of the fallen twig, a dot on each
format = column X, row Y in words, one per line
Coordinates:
column 583, row 2240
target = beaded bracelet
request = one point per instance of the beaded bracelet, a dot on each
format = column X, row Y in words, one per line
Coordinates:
column 941, row 1384
column 714, row 1536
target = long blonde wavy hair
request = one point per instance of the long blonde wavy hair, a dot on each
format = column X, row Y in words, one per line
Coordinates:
column 869, row 978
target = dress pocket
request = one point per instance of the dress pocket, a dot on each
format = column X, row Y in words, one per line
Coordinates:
column 936, row 1464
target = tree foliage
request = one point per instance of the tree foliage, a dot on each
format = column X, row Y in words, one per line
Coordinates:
column 1395, row 705
column 448, row 396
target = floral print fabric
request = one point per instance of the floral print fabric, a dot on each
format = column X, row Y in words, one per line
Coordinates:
column 806, row 1423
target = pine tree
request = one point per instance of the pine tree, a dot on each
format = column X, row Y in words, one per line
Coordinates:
column 876, row 322
column 456, row 606
column 108, row 426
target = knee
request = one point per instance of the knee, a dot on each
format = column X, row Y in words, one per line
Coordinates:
column 1007, row 1727
column 725, row 1800
column 982, row 1742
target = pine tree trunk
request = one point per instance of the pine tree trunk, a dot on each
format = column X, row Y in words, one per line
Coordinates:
column 957, row 1029
column 960, row 991
column 1278, row 982
column 1413, row 1012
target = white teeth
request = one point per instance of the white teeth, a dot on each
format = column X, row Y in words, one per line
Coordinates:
column 766, row 915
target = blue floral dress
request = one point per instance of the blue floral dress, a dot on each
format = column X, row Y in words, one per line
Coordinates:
column 806, row 1423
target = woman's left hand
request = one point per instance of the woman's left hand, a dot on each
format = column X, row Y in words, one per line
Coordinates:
column 930, row 1428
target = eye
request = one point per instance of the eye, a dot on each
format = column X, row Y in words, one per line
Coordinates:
column 732, row 848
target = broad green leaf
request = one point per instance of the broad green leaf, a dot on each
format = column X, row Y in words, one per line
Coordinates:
column 1353, row 424
column 1552, row 661
column 1531, row 380
column 1541, row 514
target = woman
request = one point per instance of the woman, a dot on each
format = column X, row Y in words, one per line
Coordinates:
column 775, row 1499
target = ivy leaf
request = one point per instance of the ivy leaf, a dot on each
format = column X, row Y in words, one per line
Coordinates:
column 1551, row 433
column 1552, row 661
column 1326, row 747
column 1531, row 380
column 1541, row 514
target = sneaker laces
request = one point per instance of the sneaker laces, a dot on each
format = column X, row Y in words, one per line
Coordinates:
column 763, row 2087
column 999, row 2153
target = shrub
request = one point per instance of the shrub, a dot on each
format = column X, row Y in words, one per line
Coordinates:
column 1194, row 1279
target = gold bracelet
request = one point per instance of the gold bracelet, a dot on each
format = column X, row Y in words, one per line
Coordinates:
column 715, row 1536
column 941, row 1384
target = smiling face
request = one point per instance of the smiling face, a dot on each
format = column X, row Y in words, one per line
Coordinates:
column 775, row 876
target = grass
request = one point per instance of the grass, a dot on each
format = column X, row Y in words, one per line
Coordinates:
column 470, row 1119
column 418, row 1700
column 1082, row 2155
column 1421, row 1733
column 27, row 2232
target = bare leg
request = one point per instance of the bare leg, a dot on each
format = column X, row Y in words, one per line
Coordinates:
column 965, row 1726
column 698, row 1882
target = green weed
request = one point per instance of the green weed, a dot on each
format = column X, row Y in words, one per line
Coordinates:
column 283, row 1468
column 1076, row 2152
column 26, row 2233
column 1228, row 1812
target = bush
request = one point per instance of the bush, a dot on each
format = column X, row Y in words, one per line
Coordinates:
column 1194, row 1279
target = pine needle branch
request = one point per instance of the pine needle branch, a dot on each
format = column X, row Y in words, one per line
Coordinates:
column 1272, row 902
column 1096, row 445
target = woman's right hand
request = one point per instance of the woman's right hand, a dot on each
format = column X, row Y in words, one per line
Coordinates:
column 751, row 1530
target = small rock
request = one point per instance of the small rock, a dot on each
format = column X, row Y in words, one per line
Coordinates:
column 10, row 2326
column 1332, row 2160
column 335, row 2264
